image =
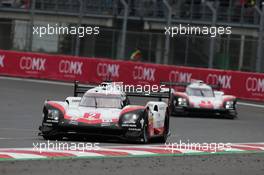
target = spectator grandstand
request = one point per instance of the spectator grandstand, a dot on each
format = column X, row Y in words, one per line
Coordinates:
column 127, row 24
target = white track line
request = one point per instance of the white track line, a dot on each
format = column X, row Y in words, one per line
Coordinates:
column 18, row 129
column 250, row 104
column 36, row 81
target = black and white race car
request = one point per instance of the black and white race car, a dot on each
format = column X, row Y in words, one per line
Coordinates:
column 105, row 110
column 200, row 98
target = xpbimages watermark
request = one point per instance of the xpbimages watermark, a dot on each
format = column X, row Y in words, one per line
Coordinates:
column 80, row 31
column 197, row 30
column 64, row 146
column 204, row 147
column 130, row 88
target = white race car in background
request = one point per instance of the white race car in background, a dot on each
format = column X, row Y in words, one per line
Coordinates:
column 200, row 98
column 105, row 110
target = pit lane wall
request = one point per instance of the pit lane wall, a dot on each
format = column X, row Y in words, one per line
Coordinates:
column 244, row 85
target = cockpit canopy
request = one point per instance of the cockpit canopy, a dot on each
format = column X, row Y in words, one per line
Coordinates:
column 101, row 101
column 199, row 92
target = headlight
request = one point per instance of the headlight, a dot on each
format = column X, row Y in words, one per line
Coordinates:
column 130, row 118
column 182, row 101
column 229, row 105
column 53, row 114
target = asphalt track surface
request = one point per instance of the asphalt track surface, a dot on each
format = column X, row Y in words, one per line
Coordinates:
column 20, row 115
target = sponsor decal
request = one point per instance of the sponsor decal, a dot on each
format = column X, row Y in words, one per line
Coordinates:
column 144, row 73
column 107, row 70
column 134, row 129
column 2, row 57
column 223, row 80
column 92, row 116
column 70, row 67
column 206, row 104
column 181, row 77
column 73, row 122
column 105, row 124
column 33, row 64
column 254, row 84
column 53, row 121
column 47, row 124
column 128, row 125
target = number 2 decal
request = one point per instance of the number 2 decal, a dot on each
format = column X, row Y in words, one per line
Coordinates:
column 92, row 116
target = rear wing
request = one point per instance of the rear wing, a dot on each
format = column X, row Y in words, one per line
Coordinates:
column 81, row 89
column 170, row 84
column 159, row 95
column 174, row 83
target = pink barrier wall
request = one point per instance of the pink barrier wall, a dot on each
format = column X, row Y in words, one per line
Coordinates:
column 90, row 70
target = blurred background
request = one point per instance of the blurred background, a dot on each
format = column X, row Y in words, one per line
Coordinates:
column 129, row 24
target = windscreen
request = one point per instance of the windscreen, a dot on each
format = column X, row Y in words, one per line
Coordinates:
column 199, row 92
column 101, row 102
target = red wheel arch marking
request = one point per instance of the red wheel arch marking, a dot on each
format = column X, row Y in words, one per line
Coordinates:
column 133, row 108
column 181, row 94
column 67, row 117
column 57, row 106
column 227, row 99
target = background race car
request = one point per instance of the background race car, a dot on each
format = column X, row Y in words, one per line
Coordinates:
column 200, row 98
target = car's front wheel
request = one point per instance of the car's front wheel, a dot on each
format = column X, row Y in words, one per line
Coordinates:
column 51, row 134
column 145, row 132
column 231, row 115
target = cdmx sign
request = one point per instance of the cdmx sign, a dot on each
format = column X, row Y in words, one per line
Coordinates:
column 254, row 84
column 33, row 64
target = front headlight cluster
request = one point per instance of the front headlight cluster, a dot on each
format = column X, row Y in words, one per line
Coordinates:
column 182, row 102
column 130, row 118
column 53, row 114
column 229, row 105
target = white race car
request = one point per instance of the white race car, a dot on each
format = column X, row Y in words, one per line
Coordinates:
column 200, row 98
column 105, row 110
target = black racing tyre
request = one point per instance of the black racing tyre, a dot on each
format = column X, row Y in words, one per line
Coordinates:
column 172, row 108
column 231, row 115
column 52, row 135
column 145, row 134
